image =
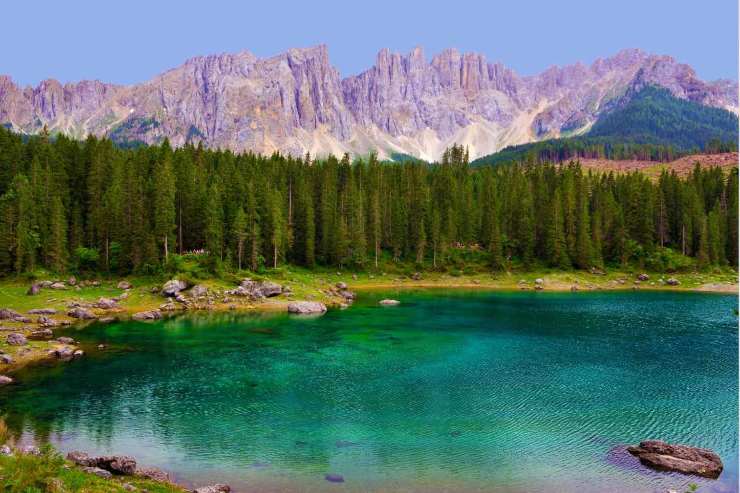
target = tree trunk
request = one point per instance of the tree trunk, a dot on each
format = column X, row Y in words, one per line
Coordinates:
column 166, row 250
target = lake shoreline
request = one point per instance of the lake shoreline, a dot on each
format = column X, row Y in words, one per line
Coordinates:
column 144, row 296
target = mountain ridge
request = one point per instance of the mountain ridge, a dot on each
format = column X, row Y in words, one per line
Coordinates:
column 297, row 102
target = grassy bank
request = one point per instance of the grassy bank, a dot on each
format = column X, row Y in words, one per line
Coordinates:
column 49, row 472
column 316, row 285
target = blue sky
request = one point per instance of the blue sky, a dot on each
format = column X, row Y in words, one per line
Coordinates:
column 134, row 40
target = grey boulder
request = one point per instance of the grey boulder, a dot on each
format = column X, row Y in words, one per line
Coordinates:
column 306, row 307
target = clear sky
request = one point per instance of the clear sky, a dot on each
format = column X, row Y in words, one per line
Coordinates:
column 133, row 40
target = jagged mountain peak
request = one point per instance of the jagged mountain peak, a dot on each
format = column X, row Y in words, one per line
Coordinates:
column 297, row 102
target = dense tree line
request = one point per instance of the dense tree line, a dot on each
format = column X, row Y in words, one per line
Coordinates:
column 75, row 205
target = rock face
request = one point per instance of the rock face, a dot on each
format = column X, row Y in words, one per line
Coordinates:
column 306, row 307
column 682, row 458
column 296, row 102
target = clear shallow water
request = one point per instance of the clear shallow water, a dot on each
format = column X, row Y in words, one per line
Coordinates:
column 450, row 391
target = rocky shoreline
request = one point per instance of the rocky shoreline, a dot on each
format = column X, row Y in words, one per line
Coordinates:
column 176, row 296
column 29, row 336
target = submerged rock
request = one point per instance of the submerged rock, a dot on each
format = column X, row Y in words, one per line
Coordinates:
column 5, row 380
column 389, row 302
column 685, row 459
column 334, row 478
column 306, row 307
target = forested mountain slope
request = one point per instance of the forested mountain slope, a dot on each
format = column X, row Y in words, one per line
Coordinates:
column 652, row 125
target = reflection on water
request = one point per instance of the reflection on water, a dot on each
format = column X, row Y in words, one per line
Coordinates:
column 446, row 392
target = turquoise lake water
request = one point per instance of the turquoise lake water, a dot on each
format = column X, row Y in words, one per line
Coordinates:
column 450, row 391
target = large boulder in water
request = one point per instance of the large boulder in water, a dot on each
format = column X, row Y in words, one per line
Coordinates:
column 306, row 307
column 664, row 456
column 172, row 287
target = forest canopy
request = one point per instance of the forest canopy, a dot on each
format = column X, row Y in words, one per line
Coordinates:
column 68, row 205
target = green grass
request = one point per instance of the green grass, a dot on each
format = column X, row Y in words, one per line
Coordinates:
column 51, row 473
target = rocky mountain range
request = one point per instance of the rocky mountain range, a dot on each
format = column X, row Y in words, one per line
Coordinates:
column 296, row 102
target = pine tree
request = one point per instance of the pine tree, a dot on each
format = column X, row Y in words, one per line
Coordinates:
column 164, row 204
column 57, row 247
column 557, row 247
column 214, row 239
column 584, row 252
column 239, row 230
